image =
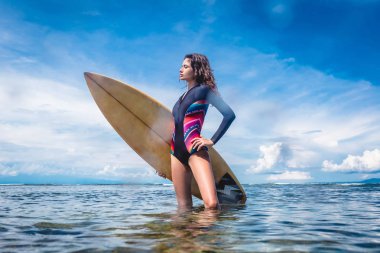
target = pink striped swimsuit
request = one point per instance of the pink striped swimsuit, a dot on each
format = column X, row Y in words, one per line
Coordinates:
column 189, row 113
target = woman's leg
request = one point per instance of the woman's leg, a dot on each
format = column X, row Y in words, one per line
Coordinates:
column 181, row 177
column 201, row 168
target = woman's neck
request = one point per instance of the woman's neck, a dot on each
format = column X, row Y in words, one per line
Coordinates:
column 191, row 84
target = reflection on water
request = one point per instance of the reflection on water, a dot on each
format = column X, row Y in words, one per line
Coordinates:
column 195, row 230
column 144, row 218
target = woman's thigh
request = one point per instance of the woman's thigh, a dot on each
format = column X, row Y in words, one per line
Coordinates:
column 201, row 167
column 181, row 177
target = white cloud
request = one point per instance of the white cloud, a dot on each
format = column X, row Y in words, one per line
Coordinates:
column 290, row 176
column 364, row 176
column 368, row 162
column 24, row 59
column 7, row 172
column 127, row 173
column 280, row 14
column 271, row 155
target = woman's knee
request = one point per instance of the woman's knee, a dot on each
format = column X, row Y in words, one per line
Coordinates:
column 211, row 204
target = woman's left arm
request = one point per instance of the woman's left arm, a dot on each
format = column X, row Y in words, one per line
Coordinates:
column 225, row 110
column 228, row 117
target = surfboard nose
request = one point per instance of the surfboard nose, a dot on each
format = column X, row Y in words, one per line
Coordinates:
column 100, row 80
column 89, row 80
column 88, row 75
column 92, row 78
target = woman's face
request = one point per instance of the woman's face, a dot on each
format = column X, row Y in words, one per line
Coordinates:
column 186, row 72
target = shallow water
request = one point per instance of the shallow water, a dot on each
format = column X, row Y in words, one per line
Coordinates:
column 144, row 218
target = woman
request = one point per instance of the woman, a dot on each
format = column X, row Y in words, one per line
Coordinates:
column 189, row 150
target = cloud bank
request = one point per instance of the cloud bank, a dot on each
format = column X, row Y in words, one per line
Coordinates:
column 290, row 176
column 271, row 156
column 368, row 162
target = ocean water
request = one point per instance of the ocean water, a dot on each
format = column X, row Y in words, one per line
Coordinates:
column 144, row 218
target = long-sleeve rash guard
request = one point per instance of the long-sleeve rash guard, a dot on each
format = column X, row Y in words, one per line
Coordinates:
column 189, row 113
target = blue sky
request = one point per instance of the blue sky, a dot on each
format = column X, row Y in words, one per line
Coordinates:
column 302, row 77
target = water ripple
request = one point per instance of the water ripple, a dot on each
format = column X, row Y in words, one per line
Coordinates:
column 144, row 218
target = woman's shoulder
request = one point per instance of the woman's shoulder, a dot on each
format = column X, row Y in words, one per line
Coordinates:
column 205, row 88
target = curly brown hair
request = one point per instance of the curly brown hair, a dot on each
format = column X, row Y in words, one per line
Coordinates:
column 202, row 70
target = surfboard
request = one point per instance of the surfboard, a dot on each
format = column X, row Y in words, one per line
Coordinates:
column 146, row 126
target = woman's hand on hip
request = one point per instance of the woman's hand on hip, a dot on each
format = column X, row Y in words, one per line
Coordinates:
column 200, row 142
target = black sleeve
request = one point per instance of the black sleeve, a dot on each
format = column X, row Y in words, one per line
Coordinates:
column 225, row 110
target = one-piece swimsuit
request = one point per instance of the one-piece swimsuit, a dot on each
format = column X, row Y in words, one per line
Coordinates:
column 189, row 113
